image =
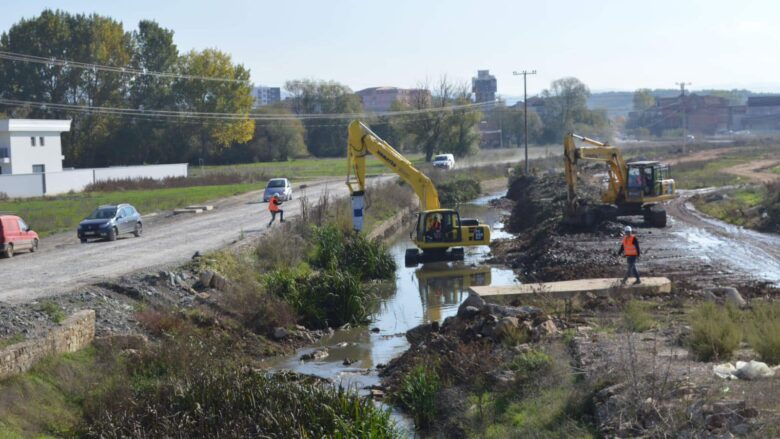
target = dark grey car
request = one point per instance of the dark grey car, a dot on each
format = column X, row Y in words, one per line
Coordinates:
column 109, row 222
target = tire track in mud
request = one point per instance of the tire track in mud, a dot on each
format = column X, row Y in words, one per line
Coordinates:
column 732, row 248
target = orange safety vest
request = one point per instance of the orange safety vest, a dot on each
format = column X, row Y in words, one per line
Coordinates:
column 273, row 205
column 629, row 249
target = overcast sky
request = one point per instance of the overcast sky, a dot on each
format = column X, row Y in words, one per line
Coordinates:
column 609, row 45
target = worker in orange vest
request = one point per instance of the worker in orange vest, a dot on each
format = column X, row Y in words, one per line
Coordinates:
column 630, row 248
column 273, row 207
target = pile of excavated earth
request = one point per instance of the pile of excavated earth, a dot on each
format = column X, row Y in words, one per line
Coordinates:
column 644, row 383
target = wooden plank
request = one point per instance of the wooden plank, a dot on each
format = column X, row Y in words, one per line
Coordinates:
column 571, row 288
column 203, row 207
column 180, row 211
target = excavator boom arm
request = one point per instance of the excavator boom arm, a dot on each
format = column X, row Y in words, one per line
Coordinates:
column 363, row 141
column 598, row 151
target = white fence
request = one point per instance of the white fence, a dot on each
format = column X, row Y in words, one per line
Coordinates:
column 54, row 183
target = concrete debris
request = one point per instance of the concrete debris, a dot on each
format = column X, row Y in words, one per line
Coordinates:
column 725, row 295
column 280, row 333
column 751, row 370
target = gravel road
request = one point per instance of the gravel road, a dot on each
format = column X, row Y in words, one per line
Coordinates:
column 63, row 264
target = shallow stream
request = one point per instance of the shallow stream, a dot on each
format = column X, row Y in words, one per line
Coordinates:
column 420, row 295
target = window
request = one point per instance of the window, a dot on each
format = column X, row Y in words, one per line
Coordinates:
column 41, row 141
column 32, row 140
column 22, row 226
column 38, row 169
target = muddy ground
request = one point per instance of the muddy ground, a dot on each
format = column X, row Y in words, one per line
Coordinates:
column 638, row 384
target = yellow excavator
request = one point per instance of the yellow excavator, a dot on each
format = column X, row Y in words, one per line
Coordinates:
column 440, row 234
column 635, row 188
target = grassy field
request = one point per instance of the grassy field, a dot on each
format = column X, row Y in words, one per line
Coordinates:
column 699, row 174
column 299, row 169
column 62, row 213
column 775, row 170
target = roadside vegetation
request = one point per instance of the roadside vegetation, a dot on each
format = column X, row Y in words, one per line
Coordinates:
column 755, row 207
column 199, row 375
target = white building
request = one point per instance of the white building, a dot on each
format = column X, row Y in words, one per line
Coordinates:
column 31, row 146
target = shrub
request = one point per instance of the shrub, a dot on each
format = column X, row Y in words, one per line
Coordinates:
column 321, row 299
column 764, row 331
column 636, row 319
column 336, row 249
column 528, row 364
column 714, row 334
column 54, row 311
column 192, row 388
column 417, row 394
column 459, row 190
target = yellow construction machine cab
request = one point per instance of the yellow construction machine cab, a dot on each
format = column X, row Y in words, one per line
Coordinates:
column 648, row 180
column 453, row 230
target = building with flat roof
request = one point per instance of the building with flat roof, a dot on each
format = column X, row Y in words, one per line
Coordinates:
column 380, row 99
column 31, row 146
column 266, row 95
column 484, row 86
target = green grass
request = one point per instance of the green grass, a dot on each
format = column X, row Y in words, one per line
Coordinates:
column 775, row 170
column 699, row 174
column 735, row 205
column 46, row 402
column 636, row 318
column 12, row 340
column 714, row 332
column 54, row 311
column 48, row 215
column 303, row 168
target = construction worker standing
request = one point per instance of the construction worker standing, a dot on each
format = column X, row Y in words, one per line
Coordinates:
column 273, row 207
column 630, row 248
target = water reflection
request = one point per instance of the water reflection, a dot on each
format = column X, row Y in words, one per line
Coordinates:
column 431, row 292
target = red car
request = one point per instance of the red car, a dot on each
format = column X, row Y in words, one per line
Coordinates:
column 15, row 235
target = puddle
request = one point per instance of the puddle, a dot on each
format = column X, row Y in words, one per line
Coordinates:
column 421, row 294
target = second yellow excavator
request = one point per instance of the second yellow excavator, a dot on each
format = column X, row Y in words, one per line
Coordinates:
column 635, row 188
column 440, row 233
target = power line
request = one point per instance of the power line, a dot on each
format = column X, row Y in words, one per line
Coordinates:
column 231, row 116
column 11, row 56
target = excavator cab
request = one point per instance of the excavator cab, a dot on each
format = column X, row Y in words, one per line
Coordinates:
column 648, row 180
column 442, row 229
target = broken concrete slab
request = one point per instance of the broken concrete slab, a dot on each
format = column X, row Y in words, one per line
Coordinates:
column 202, row 207
column 572, row 288
column 181, row 211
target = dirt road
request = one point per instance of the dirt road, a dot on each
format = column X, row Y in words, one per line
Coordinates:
column 756, row 170
column 733, row 248
column 63, row 264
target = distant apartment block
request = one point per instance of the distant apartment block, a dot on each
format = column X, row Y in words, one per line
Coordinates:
column 484, row 86
column 762, row 113
column 380, row 99
column 267, row 95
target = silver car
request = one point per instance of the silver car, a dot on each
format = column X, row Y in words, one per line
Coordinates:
column 278, row 186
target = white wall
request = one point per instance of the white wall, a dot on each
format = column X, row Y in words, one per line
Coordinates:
column 66, row 181
column 24, row 155
column 22, row 186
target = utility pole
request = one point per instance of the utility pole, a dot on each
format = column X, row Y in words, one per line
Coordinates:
column 525, row 74
column 682, row 106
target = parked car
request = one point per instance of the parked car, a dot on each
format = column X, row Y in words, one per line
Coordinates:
column 109, row 222
column 278, row 186
column 15, row 235
column 446, row 161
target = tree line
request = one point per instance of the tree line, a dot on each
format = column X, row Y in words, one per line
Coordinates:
column 438, row 120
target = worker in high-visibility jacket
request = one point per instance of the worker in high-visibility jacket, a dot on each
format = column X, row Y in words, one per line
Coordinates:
column 630, row 248
column 273, row 207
